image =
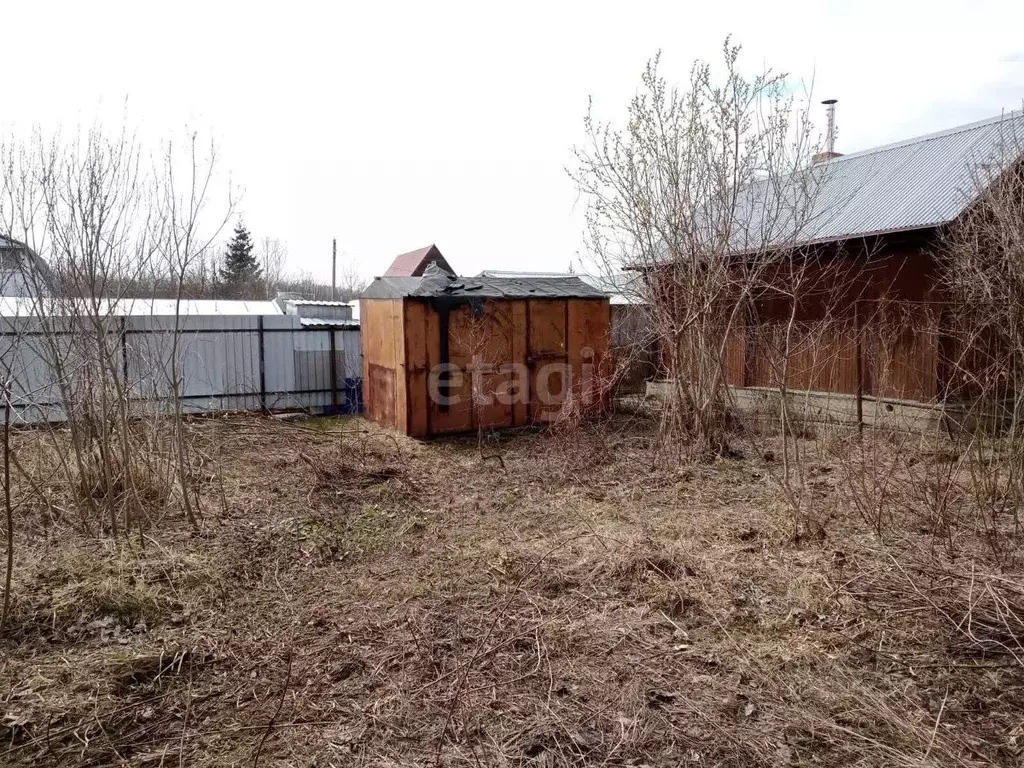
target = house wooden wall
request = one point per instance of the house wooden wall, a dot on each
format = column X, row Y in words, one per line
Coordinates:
column 868, row 319
column 890, row 305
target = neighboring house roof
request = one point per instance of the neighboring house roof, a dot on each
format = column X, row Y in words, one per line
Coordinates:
column 622, row 288
column 414, row 263
column 916, row 184
column 436, row 283
column 25, row 307
column 22, row 272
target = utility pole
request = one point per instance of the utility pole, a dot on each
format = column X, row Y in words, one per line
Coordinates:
column 334, row 269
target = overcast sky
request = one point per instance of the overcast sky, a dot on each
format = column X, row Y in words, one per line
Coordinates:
column 393, row 125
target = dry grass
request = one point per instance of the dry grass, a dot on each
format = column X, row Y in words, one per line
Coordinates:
column 357, row 599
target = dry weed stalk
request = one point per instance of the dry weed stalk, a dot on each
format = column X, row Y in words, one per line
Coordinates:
column 871, row 472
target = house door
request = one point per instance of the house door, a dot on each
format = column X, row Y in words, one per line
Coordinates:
column 547, row 357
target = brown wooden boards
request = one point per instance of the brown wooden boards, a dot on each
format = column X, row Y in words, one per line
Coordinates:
column 401, row 373
column 546, row 356
column 380, row 376
column 519, row 385
column 417, row 365
column 509, row 361
column 588, row 339
column 480, row 344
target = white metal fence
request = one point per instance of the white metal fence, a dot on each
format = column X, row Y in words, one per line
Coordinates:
column 267, row 362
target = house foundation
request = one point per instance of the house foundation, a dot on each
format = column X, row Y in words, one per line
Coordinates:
column 837, row 408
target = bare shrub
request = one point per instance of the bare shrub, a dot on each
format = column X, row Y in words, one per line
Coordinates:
column 689, row 193
column 982, row 262
column 97, row 216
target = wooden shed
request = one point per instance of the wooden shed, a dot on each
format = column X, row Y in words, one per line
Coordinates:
column 445, row 354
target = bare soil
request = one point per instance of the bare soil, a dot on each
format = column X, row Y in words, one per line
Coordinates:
column 356, row 598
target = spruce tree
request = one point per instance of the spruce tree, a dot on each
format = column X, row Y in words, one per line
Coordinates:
column 240, row 265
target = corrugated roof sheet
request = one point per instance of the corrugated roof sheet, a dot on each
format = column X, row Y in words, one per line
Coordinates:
column 917, row 183
column 321, row 310
column 318, row 303
column 23, row 307
column 194, row 307
column 436, row 283
column 318, row 322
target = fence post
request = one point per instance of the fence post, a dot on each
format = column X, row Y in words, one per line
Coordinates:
column 124, row 349
column 334, row 369
column 123, row 329
column 859, row 331
column 263, row 365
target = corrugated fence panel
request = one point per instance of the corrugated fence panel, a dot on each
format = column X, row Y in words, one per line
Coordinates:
column 350, row 354
column 213, row 361
column 25, row 361
column 279, row 362
column 312, row 360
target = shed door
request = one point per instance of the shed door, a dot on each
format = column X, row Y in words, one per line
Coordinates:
column 480, row 346
column 547, row 357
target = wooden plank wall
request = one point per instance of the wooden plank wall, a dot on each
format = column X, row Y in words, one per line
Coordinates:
column 477, row 346
column 520, row 406
column 902, row 333
column 487, row 340
column 384, row 384
column 548, row 357
column 891, row 300
column 418, row 363
column 736, row 357
column 501, row 335
column 590, row 329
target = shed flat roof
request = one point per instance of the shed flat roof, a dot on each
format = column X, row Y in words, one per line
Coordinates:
column 622, row 287
column 436, row 283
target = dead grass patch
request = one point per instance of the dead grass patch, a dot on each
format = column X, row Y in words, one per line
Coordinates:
column 418, row 605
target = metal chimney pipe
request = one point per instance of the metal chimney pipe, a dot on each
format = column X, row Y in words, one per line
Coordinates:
column 830, row 140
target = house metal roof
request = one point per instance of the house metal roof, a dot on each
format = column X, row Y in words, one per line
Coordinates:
column 437, row 283
column 918, row 183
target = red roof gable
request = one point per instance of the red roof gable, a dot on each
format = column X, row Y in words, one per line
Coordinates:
column 413, row 263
